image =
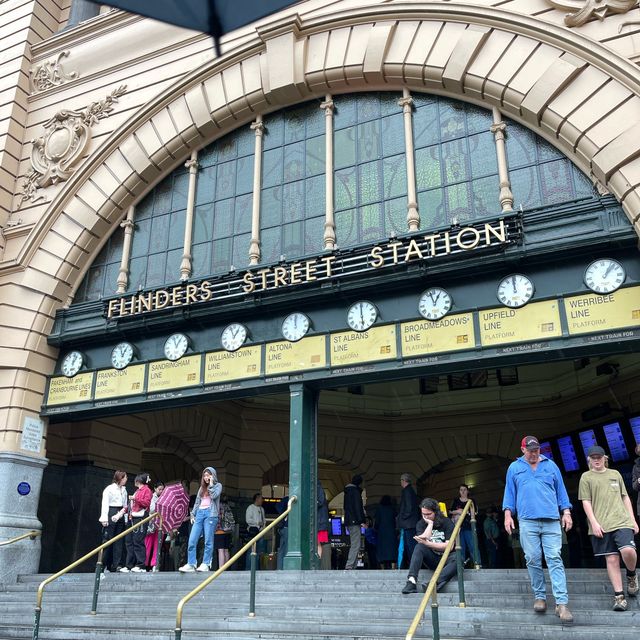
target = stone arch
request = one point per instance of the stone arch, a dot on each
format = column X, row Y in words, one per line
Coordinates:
column 175, row 446
column 569, row 89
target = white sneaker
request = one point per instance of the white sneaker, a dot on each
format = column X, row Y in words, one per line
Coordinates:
column 154, row 570
column 123, row 570
column 187, row 568
column 203, row 567
column 138, row 570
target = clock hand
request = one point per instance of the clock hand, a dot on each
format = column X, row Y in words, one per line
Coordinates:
column 606, row 273
column 513, row 280
column 361, row 315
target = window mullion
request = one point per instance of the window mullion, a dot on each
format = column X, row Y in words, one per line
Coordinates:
column 123, row 274
column 329, row 222
column 186, row 266
column 413, row 215
column 254, row 246
column 498, row 129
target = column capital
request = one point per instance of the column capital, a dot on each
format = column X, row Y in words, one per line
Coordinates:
column 328, row 106
column 405, row 102
column 498, row 127
column 127, row 225
column 192, row 165
column 258, row 127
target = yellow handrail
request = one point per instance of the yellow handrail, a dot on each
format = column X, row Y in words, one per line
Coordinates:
column 431, row 589
column 73, row 565
column 227, row 564
column 32, row 534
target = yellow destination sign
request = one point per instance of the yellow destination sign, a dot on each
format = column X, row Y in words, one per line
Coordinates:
column 222, row 366
column 63, row 390
column 535, row 321
column 308, row 353
column 449, row 334
column 351, row 347
column 593, row 312
column 164, row 374
column 113, row 383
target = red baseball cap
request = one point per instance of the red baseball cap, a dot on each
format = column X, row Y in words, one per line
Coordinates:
column 530, row 443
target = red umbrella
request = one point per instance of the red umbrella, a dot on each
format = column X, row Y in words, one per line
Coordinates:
column 173, row 506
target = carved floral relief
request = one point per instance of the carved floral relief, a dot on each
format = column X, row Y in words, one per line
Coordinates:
column 583, row 10
column 50, row 74
column 56, row 153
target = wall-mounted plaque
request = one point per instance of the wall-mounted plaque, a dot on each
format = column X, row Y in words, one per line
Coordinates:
column 63, row 390
column 163, row 375
column 222, row 366
column 536, row 321
column 452, row 333
column 115, row 383
column 353, row 347
column 595, row 313
column 305, row 355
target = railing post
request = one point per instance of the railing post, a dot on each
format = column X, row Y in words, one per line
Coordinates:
column 252, row 588
column 474, row 537
column 36, row 623
column 435, row 620
column 460, row 567
column 96, row 584
column 159, row 545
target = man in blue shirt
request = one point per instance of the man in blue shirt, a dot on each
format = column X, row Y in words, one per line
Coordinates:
column 535, row 492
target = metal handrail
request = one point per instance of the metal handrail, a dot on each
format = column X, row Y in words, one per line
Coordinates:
column 73, row 565
column 32, row 535
column 431, row 589
column 227, row 564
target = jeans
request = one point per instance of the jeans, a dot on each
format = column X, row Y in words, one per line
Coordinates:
column 424, row 556
column 466, row 544
column 537, row 536
column 355, row 536
column 409, row 543
column 206, row 523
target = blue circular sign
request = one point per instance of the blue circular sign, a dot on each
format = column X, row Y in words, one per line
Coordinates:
column 24, row 488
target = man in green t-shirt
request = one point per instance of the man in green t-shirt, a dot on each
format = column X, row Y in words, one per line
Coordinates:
column 612, row 524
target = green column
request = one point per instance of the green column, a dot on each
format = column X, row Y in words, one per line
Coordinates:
column 303, row 472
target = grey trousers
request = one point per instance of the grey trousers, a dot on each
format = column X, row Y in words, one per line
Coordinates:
column 354, row 545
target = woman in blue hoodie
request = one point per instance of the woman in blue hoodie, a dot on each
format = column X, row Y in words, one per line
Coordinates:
column 204, row 518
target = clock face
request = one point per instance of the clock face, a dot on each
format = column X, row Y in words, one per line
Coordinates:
column 233, row 336
column 295, row 326
column 434, row 303
column 362, row 315
column 72, row 363
column 604, row 275
column 515, row 290
column 176, row 346
column 121, row 355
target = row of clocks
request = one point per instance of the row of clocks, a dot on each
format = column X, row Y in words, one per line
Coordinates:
column 601, row 276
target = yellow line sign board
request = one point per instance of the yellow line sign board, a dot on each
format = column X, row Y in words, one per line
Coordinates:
column 536, row 321
column 449, row 334
column 351, row 348
column 305, row 355
column 222, row 366
column 63, row 390
column 164, row 374
column 112, row 383
column 592, row 312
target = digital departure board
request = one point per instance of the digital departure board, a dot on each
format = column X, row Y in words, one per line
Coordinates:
column 545, row 450
column 336, row 526
column 587, row 440
column 635, row 427
column 568, row 454
column 615, row 440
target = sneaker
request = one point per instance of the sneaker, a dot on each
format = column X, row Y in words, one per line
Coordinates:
column 619, row 603
column 562, row 611
column 187, row 568
column 410, row 587
column 203, row 567
column 154, row 570
column 632, row 585
column 123, row 570
column 138, row 570
column 539, row 605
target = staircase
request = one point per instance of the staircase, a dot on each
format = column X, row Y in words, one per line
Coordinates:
column 312, row 605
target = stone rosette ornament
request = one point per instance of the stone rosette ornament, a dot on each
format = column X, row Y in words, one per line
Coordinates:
column 584, row 10
column 56, row 154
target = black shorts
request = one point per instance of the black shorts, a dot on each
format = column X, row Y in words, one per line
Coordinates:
column 221, row 541
column 612, row 542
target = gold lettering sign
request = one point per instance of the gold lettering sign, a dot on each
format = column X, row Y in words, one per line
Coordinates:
column 222, row 366
column 452, row 333
column 593, row 312
column 351, row 347
column 63, row 390
column 164, row 374
column 305, row 355
column 113, row 383
column 535, row 321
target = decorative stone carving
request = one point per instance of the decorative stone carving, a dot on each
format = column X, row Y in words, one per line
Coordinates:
column 55, row 154
column 50, row 74
column 584, row 10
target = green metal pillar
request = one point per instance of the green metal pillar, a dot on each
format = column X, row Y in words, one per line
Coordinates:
column 303, row 473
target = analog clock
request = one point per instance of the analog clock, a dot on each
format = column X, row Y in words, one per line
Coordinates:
column 233, row 336
column 362, row 315
column 604, row 275
column 176, row 346
column 434, row 303
column 515, row 290
column 122, row 355
column 72, row 363
column 295, row 326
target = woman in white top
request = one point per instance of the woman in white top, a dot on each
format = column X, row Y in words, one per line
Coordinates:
column 112, row 518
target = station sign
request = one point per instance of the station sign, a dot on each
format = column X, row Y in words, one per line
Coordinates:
column 63, row 390
column 305, row 355
column 452, row 333
column 592, row 312
column 165, row 374
column 114, row 383
column 223, row 366
column 353, row 347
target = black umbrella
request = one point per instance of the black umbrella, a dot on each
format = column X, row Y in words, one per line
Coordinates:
column 216, row 17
